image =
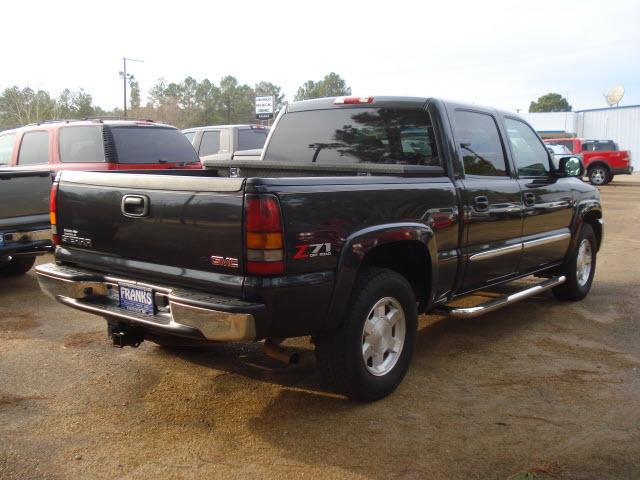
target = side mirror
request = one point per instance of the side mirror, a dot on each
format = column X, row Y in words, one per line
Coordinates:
column 571, row 166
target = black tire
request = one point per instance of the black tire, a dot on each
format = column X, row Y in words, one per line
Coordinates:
column 599, row 175
column 573, row 289
column 17, row 266
column 610, row 179
column 339, row 353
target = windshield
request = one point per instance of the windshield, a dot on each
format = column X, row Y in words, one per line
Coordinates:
column 143, row 144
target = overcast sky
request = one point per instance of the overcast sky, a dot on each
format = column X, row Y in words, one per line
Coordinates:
column 502, row 54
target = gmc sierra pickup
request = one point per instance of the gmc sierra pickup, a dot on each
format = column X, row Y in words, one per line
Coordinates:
column 362, row 213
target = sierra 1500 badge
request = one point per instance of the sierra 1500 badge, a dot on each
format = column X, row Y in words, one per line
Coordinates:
column 312, row 250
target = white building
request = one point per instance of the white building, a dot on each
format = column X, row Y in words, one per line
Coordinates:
column 620, row 124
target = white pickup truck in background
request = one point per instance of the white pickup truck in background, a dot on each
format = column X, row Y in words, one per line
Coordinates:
column 226, row 142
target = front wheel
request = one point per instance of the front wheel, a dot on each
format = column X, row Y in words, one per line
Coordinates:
column 580, row 268
column 17, row 266
column 367, row 357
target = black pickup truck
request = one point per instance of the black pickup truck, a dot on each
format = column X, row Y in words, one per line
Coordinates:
column 361, row 214
column 24, row 219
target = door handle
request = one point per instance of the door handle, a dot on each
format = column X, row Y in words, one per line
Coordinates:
column 481, row 203
column 529, row 199
column 135, row 206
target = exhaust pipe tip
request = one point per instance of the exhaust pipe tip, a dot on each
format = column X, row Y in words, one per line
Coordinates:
column 273, row 349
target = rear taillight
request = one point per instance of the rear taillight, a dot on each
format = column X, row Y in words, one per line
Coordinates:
column 263, row 235
column 53, row 201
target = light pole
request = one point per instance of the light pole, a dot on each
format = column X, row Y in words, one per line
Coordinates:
column 126, row 77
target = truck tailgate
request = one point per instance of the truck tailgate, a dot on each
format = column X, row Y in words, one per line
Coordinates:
column 24, row 199
column 169, row 224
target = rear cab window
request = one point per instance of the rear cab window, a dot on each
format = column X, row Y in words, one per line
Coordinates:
column 7, row 141
column 150, row 145
column 401, row 136
column 251, row 138
column 34, row 148
column 81, row 144
column 479, row 144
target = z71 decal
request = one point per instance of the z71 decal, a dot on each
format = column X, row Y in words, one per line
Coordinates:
column 312, row 250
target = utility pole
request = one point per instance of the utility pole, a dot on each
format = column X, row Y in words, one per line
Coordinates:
column 125, row 78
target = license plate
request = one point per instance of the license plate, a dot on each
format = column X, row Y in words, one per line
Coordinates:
column 136, row 299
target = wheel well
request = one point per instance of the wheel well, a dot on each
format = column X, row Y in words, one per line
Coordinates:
column 598, row 163
column 592, row 219
column 409, row 258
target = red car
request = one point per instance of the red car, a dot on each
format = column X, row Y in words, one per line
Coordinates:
column 601, row 158
column 96, row 145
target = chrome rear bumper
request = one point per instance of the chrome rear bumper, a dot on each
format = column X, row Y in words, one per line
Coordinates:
column 183, row 312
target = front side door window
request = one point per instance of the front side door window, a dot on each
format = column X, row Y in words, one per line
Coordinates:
column 529, row 153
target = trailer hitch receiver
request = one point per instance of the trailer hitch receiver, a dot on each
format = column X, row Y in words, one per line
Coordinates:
column 123, row 335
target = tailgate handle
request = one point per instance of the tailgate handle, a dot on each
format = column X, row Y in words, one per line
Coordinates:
column 135, row 206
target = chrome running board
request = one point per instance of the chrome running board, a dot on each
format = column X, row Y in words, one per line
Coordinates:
column 495, row 304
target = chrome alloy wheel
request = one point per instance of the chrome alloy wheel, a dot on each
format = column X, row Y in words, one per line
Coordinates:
column 583, row 262
column 598, row 176
column 383, row 336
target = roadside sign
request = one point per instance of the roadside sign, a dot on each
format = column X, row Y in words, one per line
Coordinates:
column 264, row 107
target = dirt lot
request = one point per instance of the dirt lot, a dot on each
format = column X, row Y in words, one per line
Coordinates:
column 542, row 387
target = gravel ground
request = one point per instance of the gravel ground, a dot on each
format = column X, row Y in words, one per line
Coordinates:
column 543, row 387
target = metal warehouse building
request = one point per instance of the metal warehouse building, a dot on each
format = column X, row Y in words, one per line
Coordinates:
column 620, row 124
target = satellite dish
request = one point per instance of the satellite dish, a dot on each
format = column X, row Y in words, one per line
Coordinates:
column 615, row 95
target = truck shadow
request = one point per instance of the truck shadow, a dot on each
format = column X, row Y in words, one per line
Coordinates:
column 249, row 359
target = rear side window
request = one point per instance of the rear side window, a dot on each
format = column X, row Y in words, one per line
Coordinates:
column 479, row 144
column 81, row 145
column 605, row 146
column 530, row 155
column 402, row 136
column 34, row 148
column 6, row 148
column 141, row 144
column 251, row 138
column 210, row 142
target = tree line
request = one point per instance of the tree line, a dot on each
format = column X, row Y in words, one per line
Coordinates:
column 187, row 103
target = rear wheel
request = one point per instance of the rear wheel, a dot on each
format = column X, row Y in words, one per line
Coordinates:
column 367, row 357
column 580, row 268
column 17, row 266
column 599, row 175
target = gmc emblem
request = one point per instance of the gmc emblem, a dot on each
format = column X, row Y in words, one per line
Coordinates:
column 224, row 261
